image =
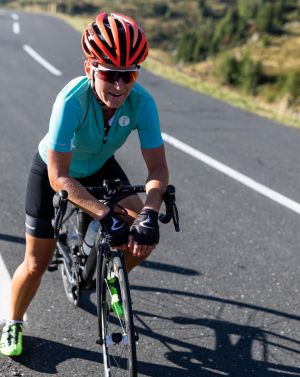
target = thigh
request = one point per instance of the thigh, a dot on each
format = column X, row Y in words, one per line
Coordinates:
column 39, row 196
column 133, row 206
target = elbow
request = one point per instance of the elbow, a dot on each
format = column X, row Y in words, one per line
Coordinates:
column 54, row 184
column 57, row 183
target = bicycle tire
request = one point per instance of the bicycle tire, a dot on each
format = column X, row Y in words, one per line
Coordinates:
column 72, row 292
column 119, row 359
column 69, row 226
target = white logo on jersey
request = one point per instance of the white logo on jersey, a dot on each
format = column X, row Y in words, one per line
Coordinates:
column 124, row 121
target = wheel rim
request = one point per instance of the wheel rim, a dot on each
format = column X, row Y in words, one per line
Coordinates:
column 71, row 290
column 120, row 358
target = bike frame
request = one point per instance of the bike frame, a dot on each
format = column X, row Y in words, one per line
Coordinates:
column 110, row 194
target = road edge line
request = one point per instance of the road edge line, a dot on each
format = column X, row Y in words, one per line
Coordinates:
column 234, row 174
column 43, row 62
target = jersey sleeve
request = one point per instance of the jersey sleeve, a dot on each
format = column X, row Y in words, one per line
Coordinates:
column 65, row 118
column 148, row 125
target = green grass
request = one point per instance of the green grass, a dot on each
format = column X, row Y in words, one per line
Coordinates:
column 215, row 90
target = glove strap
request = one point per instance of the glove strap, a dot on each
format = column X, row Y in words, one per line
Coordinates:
column 151, row 212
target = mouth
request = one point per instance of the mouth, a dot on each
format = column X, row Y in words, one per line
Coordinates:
column 115, row 95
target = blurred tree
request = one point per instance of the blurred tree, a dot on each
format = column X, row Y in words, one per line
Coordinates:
column 195, row 45
column 278, row 14
column 70, row 6
column 292, row 86
column 250, row 74
column 186, row 47
column 264, row 18
column 229, row 70
column 226, row 30
column 247, row 9
column 203, row 8
column 290, row 5
column 245, row 73
column 160, row 9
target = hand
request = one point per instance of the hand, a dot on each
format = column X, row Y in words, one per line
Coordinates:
column 144, row 233
column 116, row 229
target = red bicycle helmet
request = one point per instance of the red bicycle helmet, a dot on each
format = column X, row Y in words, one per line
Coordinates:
column 114, row 39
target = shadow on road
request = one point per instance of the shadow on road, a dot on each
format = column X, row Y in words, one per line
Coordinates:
column 87, row 304
column 9, row 238
column 43, row 355
column 229, row 358
column 234, row 344
column 169, row 268
column 51, row 354
column 231, row 349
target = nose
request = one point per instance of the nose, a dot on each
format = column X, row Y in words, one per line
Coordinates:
column 119, row 84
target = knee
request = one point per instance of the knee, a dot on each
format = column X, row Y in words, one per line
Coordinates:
column 38, row 255
column 35, row 268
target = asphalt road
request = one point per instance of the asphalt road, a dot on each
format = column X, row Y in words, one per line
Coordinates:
column 221, row 298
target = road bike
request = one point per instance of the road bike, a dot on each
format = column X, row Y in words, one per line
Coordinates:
column 85, row 265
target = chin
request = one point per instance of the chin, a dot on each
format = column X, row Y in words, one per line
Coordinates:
column 114, row 104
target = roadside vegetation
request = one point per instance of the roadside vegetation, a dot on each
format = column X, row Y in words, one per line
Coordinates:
column 245, row 52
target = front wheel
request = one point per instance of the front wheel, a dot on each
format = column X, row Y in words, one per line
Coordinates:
column 116, row 329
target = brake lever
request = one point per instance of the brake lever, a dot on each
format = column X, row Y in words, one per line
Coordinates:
column 60, row 201
column 171, row 208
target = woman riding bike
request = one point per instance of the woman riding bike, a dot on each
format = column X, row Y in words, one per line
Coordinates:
column 91, row 119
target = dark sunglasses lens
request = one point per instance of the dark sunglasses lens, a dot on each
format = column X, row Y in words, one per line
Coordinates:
column 128, row 77
column 109, row 76
column 113, row 76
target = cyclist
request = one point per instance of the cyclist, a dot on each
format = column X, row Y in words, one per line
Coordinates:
column 91, row 118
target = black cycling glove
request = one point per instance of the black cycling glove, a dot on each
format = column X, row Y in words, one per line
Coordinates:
column 116, row 229
column 145, row 229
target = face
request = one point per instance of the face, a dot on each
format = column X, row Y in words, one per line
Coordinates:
column 112, row 94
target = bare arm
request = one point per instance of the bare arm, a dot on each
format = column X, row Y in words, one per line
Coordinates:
column 58, row 172
column 156, row 185
column 158, row 176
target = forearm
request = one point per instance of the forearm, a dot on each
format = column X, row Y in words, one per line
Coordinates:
column 59, row 178
column 78, row 195
column 156, row 185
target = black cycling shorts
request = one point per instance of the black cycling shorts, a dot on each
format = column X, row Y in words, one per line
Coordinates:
column 39, row 194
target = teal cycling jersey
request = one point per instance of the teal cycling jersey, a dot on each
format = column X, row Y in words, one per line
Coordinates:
column 77, row 125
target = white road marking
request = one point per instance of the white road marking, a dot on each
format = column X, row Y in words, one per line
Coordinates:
column 249, row 182
column 30, row 51
column 5, row 292
column 15, row 16
column 16, row 28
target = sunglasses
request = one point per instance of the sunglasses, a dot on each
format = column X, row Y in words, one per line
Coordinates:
column 114, row 75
